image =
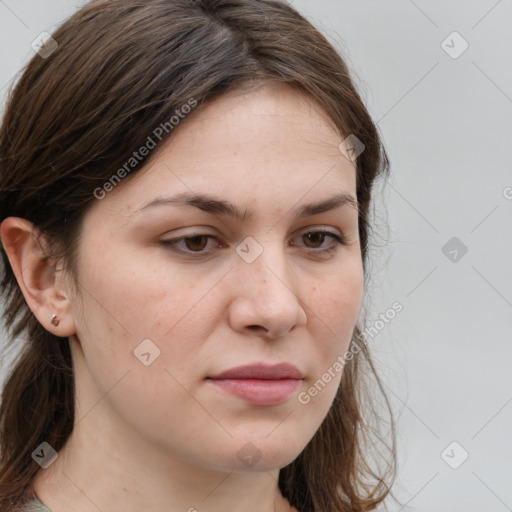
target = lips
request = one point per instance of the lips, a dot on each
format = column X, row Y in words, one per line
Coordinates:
column 259, row 384
column 261, row 371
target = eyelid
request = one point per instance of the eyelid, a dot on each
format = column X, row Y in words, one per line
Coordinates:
column 338, row 238
column 335, row 233
column 309, row 229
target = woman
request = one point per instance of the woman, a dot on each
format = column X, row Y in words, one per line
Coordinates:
column 185, row 196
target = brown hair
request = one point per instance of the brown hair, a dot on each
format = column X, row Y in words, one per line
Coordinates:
column 121, row 69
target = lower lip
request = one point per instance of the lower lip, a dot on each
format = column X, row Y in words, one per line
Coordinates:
column 259, row 391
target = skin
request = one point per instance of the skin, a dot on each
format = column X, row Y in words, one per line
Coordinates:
column 161, row 437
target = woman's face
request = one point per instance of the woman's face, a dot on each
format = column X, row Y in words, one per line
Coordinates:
column 155, row 320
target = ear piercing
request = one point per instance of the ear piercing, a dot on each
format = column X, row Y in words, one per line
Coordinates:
column 55, row 321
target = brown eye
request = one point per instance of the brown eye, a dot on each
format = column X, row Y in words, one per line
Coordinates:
column 315, row 241
column 196, row 243
column 314, row 238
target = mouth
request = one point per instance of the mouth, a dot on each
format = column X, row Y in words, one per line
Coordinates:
column 259, row 384
column 259, row 391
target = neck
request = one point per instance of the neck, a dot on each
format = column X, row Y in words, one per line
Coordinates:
column 91, row 475
column 120, row 472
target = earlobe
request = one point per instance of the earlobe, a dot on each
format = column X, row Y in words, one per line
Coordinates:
column 42, row 287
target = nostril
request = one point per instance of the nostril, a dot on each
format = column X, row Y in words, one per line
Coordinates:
column 254, row 327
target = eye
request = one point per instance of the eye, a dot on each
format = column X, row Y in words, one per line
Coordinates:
column 315, row 239
column 195, row 243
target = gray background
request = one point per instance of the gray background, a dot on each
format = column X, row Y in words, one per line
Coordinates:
column 447, row 125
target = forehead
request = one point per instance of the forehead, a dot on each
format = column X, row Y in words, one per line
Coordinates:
column 273, row 142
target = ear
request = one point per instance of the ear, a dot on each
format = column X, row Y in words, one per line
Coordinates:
column 44, row 288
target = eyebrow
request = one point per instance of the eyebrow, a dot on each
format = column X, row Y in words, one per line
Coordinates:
column 214, row 205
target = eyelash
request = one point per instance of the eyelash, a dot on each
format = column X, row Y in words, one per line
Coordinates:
column 337, row 239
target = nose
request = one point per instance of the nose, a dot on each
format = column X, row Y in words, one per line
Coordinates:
column 265, row 296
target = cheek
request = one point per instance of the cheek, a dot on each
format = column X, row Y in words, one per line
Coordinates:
column 338, row 298
column 135, row 291
column 335, row 305
column 127, row 300
column 123, row 304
